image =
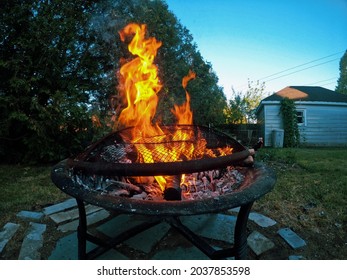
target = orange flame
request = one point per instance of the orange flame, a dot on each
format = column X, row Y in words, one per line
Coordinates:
column 140, row 82
column 139, row 86
column 183, row 113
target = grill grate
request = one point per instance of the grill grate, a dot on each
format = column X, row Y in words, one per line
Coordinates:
column 176, row 143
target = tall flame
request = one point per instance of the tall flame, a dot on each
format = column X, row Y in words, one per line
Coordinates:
column 183, row 113
column 140, row 82
column 139, row 86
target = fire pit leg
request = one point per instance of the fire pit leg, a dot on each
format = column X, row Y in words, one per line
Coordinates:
column 240, row 236
column 240, row 248
column 82, row 231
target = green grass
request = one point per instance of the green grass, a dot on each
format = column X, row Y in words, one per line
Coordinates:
column 307, row 178
column 25, row 188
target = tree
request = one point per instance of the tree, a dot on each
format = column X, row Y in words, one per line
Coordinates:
column 58, row 65
column 342, row 81
column 241, row 108
column 46, row 71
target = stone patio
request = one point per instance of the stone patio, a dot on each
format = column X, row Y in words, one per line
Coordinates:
column 158, row 242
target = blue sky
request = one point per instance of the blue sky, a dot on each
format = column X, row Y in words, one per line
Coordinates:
column 255, row 39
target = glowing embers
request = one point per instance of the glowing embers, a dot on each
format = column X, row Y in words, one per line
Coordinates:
column 195, row 186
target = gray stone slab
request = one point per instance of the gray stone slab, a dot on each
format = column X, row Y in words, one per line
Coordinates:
column 112, row 255
column 32, row 242
column 214, row 226
column 261, row 220
column 66, row 248
column 30, row 215
column 294, row 240
column 91, row 219
column 119, row 224
column 147, row 239
column 180, row 253
column 72, row 214
column 259, row 243
column 7, row 233
column 296, row 257
column 62, row 206
column 234, row 210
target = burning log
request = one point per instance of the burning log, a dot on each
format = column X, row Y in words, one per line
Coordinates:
column 173, row 190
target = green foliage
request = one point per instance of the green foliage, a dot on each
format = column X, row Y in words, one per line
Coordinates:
column 342, row 81
column 58, row 66
column 44, row 65
column 241, row 108
column 290, row 124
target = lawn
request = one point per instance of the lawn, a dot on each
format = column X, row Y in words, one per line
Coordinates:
column 310, row 195
column 308, row 179
column 25, row 188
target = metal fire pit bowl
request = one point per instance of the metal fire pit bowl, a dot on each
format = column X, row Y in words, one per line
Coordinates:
column 258, row 180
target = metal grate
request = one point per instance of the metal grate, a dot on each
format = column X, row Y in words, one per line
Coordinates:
column 175, row 143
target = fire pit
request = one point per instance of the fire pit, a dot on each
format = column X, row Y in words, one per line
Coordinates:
column 162, row 172
column 97, row 168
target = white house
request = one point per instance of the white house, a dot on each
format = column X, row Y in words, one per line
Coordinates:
column 321, row 115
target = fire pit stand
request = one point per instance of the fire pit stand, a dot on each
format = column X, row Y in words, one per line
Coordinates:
column 258, row 181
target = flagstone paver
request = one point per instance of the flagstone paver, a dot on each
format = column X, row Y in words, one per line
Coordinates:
column 180, row 253
column 296, row 257
column 67, row 204
column 146, row 240
column 120, row 224
column 214, row 226
column 30, row 215
column 7, row 233
column 92, row 218
column 261, row 220
column 32, row 242
column 67, row 248
column 72, row 214
column 259, row 243
column 294, row 240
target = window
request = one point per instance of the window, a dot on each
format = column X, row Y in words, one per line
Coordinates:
column 301, row 117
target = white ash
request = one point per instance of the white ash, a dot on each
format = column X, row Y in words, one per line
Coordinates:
column 200, row 185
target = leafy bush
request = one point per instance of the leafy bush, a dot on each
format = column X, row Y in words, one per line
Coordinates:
column 290, row 123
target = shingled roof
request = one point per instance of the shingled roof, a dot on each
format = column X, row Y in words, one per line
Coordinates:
column 307, row 93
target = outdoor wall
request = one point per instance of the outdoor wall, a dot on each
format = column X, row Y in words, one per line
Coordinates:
column 272, row 120
column 324, row 125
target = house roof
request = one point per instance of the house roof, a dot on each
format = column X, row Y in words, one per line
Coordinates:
column 307, row 93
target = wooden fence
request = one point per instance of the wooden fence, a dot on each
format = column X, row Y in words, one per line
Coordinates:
column 247, row 134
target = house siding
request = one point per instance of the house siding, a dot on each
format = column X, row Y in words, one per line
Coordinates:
column 325, row 125
column 272, row 120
